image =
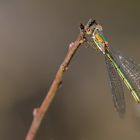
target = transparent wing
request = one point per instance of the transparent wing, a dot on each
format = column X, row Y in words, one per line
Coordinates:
column 116, row 87
column 129, row 68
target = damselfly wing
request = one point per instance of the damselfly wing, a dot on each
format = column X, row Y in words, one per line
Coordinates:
column 116, row 87
column 129, row 71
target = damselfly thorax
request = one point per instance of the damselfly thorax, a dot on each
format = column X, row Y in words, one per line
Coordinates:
column 95, row 31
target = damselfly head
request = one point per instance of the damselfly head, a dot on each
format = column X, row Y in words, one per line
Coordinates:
column 90, row 26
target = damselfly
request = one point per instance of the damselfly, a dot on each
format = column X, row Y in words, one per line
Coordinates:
column 118, row 66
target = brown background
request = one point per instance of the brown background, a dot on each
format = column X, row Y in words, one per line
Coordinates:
column 34, row 37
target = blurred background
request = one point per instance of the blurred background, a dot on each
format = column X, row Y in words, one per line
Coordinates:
column 34, row 37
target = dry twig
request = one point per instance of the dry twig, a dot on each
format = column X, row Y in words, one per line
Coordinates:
column 39, row 113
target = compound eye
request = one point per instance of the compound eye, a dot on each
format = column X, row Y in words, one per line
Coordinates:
column 88, row 29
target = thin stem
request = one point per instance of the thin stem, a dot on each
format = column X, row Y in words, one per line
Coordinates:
column 38, row 113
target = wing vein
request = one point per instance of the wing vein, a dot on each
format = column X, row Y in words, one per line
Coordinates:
column 116, row 87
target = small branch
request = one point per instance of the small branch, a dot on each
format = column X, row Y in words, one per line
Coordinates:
column 38, row 113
